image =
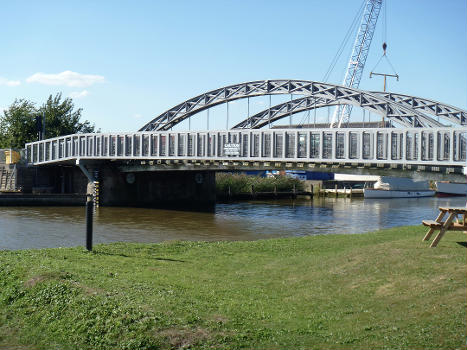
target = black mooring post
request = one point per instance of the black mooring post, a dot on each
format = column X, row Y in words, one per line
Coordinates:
column 89, row 212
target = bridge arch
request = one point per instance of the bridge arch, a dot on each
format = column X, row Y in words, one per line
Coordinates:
column 331, row 92
column 446, row 112
column 298, row 105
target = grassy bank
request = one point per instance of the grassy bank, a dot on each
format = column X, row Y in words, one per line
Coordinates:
column 379, row 290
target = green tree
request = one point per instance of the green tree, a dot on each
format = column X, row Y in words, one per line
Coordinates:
column 18, row 123
column 61, row 119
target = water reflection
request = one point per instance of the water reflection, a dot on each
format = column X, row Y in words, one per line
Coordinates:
column 40, row 227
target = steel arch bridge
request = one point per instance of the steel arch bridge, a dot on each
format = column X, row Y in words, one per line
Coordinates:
column 407, row 111
column 422, row 144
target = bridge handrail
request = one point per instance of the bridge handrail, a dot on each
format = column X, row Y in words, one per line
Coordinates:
column 423, row 146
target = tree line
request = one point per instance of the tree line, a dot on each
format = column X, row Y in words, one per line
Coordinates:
column 22, row 121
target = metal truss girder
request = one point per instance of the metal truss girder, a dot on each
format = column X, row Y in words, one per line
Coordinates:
column 442, row 110
column 288, row 108
column 303, row 104
column 377, row 103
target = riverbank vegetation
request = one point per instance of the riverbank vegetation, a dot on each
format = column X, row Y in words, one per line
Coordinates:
column 235, row 184
column 381, row 290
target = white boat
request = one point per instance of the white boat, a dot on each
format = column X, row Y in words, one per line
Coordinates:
column 398, row 187
column 377, row 193
column 446, row 188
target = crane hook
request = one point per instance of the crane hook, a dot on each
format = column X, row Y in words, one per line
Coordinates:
column 384, row 49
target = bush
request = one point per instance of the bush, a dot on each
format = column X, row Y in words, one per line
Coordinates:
column 240, row 183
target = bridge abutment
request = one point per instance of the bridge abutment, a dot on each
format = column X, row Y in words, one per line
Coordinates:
column 184, row 190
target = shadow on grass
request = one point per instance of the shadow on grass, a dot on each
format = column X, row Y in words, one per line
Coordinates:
column 135, row 256
column 464, row 244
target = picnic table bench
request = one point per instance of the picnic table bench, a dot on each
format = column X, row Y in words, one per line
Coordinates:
column 452, row 223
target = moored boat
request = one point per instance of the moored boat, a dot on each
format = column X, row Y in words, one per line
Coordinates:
column 395, row 187
column 447, row 188
column 378, row 193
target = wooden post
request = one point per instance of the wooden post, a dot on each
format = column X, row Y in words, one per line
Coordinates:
column 335, row 188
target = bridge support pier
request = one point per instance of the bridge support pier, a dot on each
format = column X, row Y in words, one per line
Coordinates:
column 183, row 190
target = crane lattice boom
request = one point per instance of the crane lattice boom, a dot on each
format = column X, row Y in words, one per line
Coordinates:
column 358, row 57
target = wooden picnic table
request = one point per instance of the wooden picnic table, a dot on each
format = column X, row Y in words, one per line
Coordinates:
column 448, row 224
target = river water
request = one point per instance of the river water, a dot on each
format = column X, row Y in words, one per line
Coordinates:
column 44, row 227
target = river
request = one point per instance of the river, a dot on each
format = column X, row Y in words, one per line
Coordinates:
column 44, row 227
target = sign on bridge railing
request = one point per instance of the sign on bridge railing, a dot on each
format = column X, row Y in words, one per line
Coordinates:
column 232, row 149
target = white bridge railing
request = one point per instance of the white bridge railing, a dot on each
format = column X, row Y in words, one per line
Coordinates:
column 426, row 146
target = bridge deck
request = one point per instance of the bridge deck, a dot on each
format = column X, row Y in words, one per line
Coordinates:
column 430, row 147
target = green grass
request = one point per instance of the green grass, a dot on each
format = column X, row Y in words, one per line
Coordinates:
column 382, row 290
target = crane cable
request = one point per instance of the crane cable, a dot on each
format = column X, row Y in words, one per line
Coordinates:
column 384, row 41
column 349, row 33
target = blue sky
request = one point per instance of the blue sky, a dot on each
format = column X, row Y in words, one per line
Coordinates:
column 125, row 62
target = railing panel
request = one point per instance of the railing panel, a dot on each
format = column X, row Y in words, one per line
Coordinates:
column 290, row 145
column 200, row 143
column 154, row 145
column 340, row 145
column 30, row 153
column 61, row 148
column 353, row 145
column 220, row 144
column 171, row 145
column 395, row 146
column 145, row 145
column 444, row 145
column 462, row 147
column 382, row 145
column 256, row 145
column 191, row 145
column 279, row 145
column 89, row 146
column 136, row 145
column 366, row 145
column 120, row 142
column 98, row 146
column 266, row 147
column 302, row 141
column 53, row 150
column 315, row 145
column 162, row 145
column 427, row 146
column 181, row 145
column 41, row 152
column 245, row 145
column 113, row 145
column 327, row 145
